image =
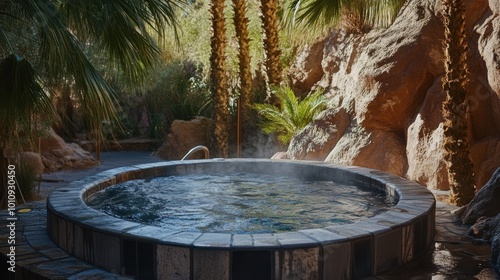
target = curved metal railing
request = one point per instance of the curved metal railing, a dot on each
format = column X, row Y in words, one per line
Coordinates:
column 196, row 149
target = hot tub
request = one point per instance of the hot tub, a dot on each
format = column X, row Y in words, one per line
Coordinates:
column 360, row 249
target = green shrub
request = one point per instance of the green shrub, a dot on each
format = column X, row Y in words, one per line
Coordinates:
column 123, row 129
column 293, row 114
column 179, row 93
column 27, row 179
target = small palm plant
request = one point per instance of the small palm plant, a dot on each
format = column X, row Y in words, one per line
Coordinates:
column 293, row 114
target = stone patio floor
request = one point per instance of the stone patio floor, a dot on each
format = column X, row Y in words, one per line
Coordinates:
column 37, row 257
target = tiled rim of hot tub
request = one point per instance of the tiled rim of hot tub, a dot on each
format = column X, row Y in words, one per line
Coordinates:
column 349, row 251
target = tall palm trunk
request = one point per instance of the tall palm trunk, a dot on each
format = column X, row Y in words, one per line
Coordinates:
column 218, row 83
column 241, row 27
column 269, row 19
column 455, row 107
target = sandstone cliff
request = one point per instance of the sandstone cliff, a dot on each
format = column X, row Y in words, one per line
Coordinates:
column 385, row 94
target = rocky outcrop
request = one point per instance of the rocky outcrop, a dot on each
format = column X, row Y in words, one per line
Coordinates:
column 486, row 156
column 308, row 70
column 323, row 134
column 484, row 212
column 57, row 154
column 183, row 136
column 388, row 83
column 487, row 230
column 485, row 203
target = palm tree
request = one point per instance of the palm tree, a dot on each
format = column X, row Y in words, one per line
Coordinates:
column 292, row 115
column 270, row 22
column 455, row 107
column 43, row 45
column 218, row 81
column 245, row 74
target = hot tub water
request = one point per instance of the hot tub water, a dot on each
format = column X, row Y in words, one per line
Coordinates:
column 239, row 203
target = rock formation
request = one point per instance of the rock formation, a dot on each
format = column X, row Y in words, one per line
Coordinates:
column 485, row 203
column 57, row 154
column 484, row 212
column 183, row 136
column 385, row 95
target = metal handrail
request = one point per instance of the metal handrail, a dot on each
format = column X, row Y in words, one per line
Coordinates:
column 195, row 149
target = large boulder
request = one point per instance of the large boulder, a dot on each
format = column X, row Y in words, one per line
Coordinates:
column 322, row 134
column 183, row 136
column 488, row 230
column 377, row 149
column 57, row 154
column 485, row 203
column 388, row 81
column 484, row 213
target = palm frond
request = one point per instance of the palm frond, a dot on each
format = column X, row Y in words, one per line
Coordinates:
column 68, row 61
column 120, row 28
column 320, row 12
column 292, row 115
column 23, row 97
column 309, row 107
column 288, row 13
column 290, row 100
column 314, row 13
column 123, row 29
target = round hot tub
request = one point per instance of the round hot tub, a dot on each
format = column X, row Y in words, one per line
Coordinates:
column 364, row 246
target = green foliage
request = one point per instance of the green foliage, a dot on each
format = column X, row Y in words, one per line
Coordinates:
column 179, row 93
column 329, row 12
column 108, row 22
column 124, row 128
column 194, row 36
column 26, row 179
column 293, row 114
column 45, row 42
column 22, row 98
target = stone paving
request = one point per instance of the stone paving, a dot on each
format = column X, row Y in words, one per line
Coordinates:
column 37, row 257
